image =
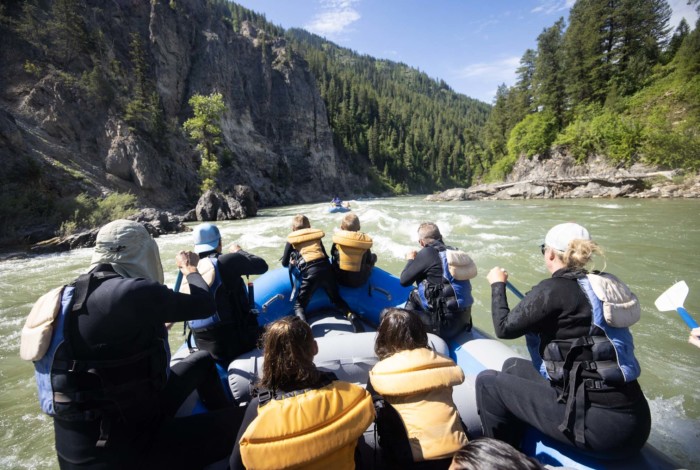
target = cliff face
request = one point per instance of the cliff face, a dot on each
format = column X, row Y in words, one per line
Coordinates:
column 67, row 111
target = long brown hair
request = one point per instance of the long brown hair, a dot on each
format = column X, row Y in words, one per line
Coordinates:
column 399, row 330
column 288, row 348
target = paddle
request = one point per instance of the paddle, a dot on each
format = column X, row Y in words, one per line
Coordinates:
column 673, row 299
column 178, row 281
column 514, row 290
column 532, row 340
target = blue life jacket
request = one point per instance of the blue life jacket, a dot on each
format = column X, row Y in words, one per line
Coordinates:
column 602, row 360
column 608, row 351
column 61, row 377
column 204, row 323
column 454, row 295
column 233, row 329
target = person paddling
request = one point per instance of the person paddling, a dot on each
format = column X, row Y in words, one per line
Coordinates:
column 234, row 328
column 101, row 354
column 585, row 392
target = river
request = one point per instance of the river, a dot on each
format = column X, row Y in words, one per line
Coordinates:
column 650, row 244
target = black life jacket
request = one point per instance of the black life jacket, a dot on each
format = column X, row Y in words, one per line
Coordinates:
column 80, row 389
column 448, row 299
column 234, row 328
column 602, row 360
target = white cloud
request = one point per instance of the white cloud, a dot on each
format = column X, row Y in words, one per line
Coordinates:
column 335, row 17
column 552, row 6
column 502, row 70
column 480, row 80
column 681, row 9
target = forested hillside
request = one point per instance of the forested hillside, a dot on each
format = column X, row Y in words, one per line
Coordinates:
column 611, row 80
column 415, row 130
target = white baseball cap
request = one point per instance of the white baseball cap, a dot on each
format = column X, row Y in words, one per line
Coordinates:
column 561, row 235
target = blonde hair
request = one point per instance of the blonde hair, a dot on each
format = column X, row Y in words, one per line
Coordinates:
column 350, row 222
column 579, row 253
column 299, row 222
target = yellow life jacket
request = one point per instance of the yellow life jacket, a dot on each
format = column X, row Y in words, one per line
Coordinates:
column 317, row 429
column 307, row 242
column 418, row 384
column 351, row 247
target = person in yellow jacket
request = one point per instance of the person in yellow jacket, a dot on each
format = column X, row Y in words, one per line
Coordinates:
column 302, row 417
column 417, row 420
column 304, row 250
column 351, row 256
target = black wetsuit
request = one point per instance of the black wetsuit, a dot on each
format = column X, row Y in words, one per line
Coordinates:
column 121, row 318
column 427, row 266
column 315, row 274
column 616, row 419
column 238, row 331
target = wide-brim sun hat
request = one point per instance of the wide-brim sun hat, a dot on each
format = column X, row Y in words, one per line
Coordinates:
column 130, row 249
column 561, row 235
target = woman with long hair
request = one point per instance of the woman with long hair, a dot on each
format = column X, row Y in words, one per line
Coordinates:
column 301, row 417
column 417, row 421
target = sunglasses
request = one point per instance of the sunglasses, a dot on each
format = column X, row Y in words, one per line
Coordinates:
column 543, row 248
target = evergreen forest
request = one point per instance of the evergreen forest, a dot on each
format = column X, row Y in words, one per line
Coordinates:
column 612, row 79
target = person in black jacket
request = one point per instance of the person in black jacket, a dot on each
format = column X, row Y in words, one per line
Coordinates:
column 433, row 293
column 235, row 329
column 582, row 389
column 115, row 406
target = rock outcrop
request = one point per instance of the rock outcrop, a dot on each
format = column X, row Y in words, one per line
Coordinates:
column 156, row 222
column 74, row 118
column 214, row 205
column 562, row 177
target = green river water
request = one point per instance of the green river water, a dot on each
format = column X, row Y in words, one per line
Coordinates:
column 650, row 244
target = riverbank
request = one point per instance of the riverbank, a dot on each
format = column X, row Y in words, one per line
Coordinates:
column 561, row 177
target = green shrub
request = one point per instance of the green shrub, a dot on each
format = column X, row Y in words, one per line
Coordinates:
column 618, row 137
column 533, row 135
column 500, row 169
column 579, row 139
column 32, row 69
column 87, row 212
column 673, row 148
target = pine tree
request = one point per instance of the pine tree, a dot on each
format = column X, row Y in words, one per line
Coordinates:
column 681, row 32
column 549, row 72
column 205, row 130
column 587, row 52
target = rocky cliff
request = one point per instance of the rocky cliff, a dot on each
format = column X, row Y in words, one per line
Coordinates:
column 96, row 104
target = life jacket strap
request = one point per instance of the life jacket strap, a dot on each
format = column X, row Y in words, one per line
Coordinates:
column 105, row 427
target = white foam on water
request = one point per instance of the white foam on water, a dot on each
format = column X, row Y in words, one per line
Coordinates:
column 505, row 222
column 673, row 432
column 386, row 245
column 466, row 221
column 495, row 236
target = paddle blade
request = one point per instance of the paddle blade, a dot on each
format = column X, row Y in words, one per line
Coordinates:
column 673, row 297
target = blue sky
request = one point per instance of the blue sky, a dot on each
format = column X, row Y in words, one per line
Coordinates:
column 473, row 45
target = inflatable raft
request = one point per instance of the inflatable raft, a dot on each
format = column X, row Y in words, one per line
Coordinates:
column 351, row 355
column 338, row 209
